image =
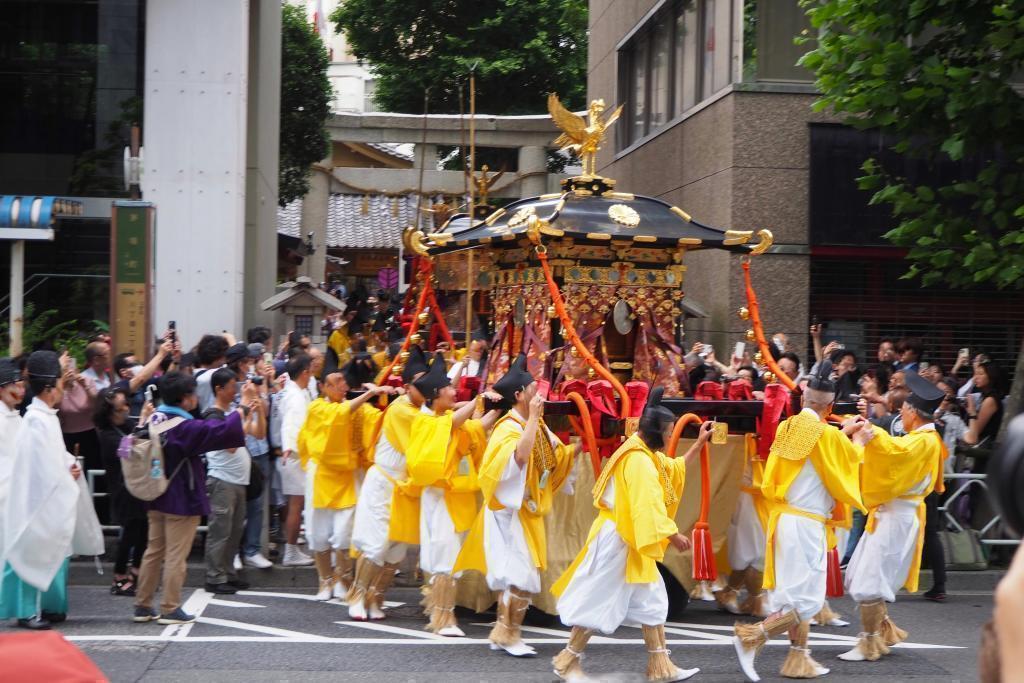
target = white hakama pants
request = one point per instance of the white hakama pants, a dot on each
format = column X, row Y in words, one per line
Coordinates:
column 372, row 518
column 746, row 536
column 331, row 529
column 598, row 597
column 881, row 562
column 801, row 564
column 439, row 542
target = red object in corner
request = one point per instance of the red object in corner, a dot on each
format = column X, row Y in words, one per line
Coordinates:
column 44, row 656
column 708, row 391
column 834, row 576
column 740, row 390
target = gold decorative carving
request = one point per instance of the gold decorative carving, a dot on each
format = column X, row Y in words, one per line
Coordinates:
column 520, row 217
column 577, row 135
column 624, row 215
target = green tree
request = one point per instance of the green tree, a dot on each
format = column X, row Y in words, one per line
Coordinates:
column 522, row 50
column 305, row 103
column 936, row 76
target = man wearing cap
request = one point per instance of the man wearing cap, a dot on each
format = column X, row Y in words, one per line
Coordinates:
column 812, row 468
column 336, row 436
column 897, row 474
column 40, row 510
column 387, row 512
column 523, row 466
column 445, row 447
column 614, row 578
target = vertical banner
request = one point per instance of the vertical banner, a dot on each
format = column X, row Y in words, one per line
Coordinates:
column 131, row 248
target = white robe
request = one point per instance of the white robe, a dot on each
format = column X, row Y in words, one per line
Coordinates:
column 373, row 508
column 294, row 406
column 41, row 509
column 439, row 542
column 881, row 562
column 10, row 423
column 598, row 597
column 801, row 557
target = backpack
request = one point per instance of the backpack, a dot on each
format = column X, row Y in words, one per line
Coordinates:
column 145, row 475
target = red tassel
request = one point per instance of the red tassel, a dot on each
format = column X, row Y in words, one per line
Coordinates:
column 834, row 576
column 704, row 568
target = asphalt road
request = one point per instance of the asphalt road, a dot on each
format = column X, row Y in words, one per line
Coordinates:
column 282, row 635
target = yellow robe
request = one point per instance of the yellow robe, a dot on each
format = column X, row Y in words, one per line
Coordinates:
column 339, row 341
column 895, row 465
column 538, row 500
column 836, row 462
column 396, row 425
column 338, row 440
column 381, row 359
column 644, row 512
column 447, row 457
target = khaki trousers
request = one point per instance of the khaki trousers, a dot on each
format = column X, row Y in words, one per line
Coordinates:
column 170, row 540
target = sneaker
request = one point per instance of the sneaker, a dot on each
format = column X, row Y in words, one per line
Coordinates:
column 238, row 584
column 257, row 561
column 935, row 595
column 144, row 614
column 178, row 616
column 294, row 557
column 219, row 589
column 35, row 624
column 237, row 563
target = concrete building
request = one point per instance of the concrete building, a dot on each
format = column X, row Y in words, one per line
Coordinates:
column 718, row 121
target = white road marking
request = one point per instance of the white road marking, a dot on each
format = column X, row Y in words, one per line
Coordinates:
column 397, row 630
column 195, row 605
column 232, row 603
column 259, row 628
column 310, row 598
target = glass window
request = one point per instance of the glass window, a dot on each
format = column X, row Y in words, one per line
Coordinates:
column 638, row 94
column 686, row 58
column 660, row 49
column 708, row 51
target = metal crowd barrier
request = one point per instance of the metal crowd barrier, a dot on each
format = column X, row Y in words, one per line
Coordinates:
column 978, row 481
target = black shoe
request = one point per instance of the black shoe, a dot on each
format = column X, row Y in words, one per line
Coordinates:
column 55, row 617
column 935, row 595
column 221, row 588
column 178, row 616
column 35, row 624
column 144, row 614
column 238, row 584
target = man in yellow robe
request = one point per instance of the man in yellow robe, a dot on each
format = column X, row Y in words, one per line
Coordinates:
column 812, row 468
column 897, row 474
column 387, row 512
column 615, row 578
column 336, row 436
column 524, row 465
column 445, row 447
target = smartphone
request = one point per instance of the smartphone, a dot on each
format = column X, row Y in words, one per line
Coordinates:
column 815, row 320
column 173, row 327
column 72, row 364
column 966, row 352
column 150, row 392
column 738, row 351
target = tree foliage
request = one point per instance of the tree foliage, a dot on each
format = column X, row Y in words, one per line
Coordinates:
column 935, row 76
column 522, row 49
column 305, row 103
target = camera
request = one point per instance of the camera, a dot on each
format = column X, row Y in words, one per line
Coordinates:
column 255, row 379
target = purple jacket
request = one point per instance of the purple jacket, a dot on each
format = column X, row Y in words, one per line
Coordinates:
column 186, row 495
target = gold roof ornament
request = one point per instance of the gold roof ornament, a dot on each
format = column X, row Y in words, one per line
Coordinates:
column 484, row 182
column 583, row 139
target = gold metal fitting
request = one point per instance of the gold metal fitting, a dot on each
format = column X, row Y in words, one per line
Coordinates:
column 397, row 370
column 758, row 358
column 769, row 377
column 552, row 313
column 415, row 339
column 751, row 336
column 743, row 313
column 542, row 356
column 591, row 373
column 424, row 317
column 403, row 356
column 574, row 352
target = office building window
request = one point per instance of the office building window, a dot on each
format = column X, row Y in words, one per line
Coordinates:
column 680, row 56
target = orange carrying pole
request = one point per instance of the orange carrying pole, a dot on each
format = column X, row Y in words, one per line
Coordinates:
column 585, row 428
column 762, row 344
column 704, row 568
column 570, row 332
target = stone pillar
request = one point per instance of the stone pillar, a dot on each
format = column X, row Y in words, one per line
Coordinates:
column 195, row 130
column 533, row 164
column 314, row 220
column 425, row 157
column 261, row 173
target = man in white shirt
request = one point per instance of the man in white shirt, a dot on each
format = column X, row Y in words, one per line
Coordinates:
column 12, row 392
column 227, row 479
column 473, row 363
column 294, row 404
column 97, row 361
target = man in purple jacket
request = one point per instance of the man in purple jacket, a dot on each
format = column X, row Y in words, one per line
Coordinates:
column 174, row 516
